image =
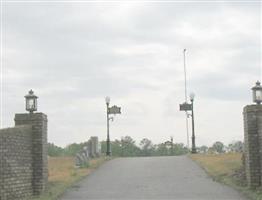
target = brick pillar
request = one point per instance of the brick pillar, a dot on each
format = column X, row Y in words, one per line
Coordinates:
column 39, row 148
column 253, row 140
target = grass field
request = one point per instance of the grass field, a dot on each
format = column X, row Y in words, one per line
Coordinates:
column 62, row 174
column 228, row 169
column 219, row 165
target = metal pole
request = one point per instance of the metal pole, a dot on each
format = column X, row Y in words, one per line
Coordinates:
column 185, row 74
column 172, row 147
column 193, row 129
column 108, row 139
column 187, row 132
column 1, row 64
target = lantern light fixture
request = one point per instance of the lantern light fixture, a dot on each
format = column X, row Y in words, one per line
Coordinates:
column 107, row 100
column 192, row 96
column 31, row 102
column 257, row 93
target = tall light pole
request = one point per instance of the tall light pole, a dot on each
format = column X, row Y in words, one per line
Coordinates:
column 192, row 96
column 108, row 151
column 184, row 53
column 110, row 110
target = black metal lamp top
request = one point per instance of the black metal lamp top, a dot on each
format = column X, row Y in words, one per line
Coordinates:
column 31, row 101
column 257, row 93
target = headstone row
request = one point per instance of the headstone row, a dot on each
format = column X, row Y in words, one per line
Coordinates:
column 91, row 150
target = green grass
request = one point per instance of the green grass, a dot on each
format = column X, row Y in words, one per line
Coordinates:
column 62, row 175
column 225, row 168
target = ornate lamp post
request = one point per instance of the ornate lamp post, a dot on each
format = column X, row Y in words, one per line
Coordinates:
column 31, row 102
column 108, row 152
column 257, row 93
column 192, row 96
column 110, row 110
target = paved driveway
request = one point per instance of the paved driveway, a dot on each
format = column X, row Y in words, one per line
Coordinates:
column 150, row 178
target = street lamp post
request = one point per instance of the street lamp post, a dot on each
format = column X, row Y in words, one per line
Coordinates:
column 108, row 152
column 192, row 96
column 110, row 110
column 184, row 53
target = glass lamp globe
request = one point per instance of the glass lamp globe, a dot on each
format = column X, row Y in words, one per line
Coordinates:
column 257, row 93
column 192, row 96
column 107, row 99
column 31, row 102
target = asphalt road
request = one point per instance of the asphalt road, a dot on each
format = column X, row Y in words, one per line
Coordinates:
column 150, row 178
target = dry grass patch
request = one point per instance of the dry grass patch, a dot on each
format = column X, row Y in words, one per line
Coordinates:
column 63, row 169
column 62, row 174
column 228, row 169
column 219, row 165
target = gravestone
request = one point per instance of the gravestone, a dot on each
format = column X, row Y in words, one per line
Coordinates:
column 82, row 158
column 92, row 150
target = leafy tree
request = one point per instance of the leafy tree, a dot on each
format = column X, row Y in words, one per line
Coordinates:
column 236, row 146
column 147, row 147
column 165, row 149
column 125, row 147
column 128, row 147
column 161, row 150
column 218, row 147
column 54, row 150
column 103, row 147
column 211, row 150
column 203, row 149
column 179, row 149
column 115, row 148
column 73, row 149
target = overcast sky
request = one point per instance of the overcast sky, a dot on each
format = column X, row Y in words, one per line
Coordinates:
column 74, row 54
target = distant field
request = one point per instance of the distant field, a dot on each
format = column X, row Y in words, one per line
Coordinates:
column 62, row 174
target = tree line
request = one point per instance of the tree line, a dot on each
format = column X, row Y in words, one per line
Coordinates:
column 125, row 147
column 218, row 147
column 128, row 147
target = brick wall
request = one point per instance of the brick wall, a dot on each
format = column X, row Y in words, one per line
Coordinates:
column 23, row 157
column 16, row 162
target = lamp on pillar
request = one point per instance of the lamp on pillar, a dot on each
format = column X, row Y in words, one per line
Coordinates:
column 31, row 102
column 252, row 139
column 257, row 93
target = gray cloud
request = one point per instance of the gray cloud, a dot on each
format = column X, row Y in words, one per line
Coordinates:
column 74, row 55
